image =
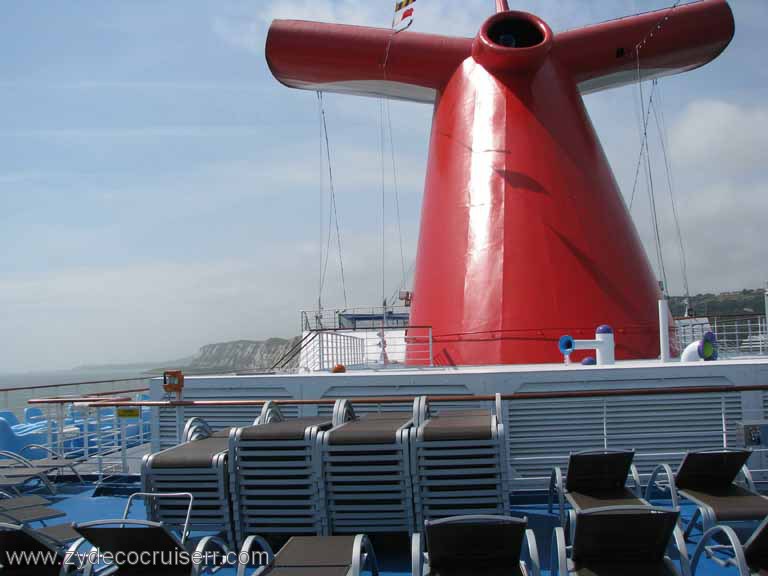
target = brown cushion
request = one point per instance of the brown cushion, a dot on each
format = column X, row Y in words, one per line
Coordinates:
column 316, row 551
column 61, row 533
column 514, row 570
column 30, row 514
column 370, row 429
column 487, row 542
column 605, row 470
column 468, row 425
column 732, row 502
column 711, row 469
column 622, row 536
column 23, row 502
column 308, row 571
column 197, row 454
column 628, row 568
column 292, row 429
column 620, row 497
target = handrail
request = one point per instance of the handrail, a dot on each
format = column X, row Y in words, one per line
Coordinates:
column 557, row 395
column 88, row 400
column 40, row 386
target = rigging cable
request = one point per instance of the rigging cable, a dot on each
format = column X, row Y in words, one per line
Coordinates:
column 382, row 137
column 644, row 145
column 658, row 114
column 396, row 191
column 333, row 210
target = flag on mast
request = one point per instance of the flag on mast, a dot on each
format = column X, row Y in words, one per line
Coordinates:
column 403, row 15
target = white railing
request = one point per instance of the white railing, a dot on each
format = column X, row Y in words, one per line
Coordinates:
column 736, row 336
column 106, row 441
column 327, row 349
column 367, row 348
column 354, row 318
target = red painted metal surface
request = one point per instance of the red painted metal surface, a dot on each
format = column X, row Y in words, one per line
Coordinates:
column 524, row 234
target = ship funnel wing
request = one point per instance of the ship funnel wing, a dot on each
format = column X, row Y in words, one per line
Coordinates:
column 363, row 61
column 668, row 41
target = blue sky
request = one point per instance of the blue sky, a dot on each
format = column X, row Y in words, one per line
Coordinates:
column 159, row 190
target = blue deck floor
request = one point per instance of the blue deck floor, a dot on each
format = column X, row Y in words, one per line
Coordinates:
column 80, row 503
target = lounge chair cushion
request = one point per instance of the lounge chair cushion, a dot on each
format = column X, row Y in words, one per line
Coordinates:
column 514, row 570
column 292, row 429
column 59, row 533
column 18, row 541
column 710, row 470
column 22, row 472
column 23, row 502
column 370, row 429
column 465, row 425
column 308, row 571
column 114, row 539
column 616, row 497
column 30, row 514
column 316, row 552
column 589, row 472
column 621, row 536
column 731, row 503
column 196, row 454
column 458, row 547
column 626, row 569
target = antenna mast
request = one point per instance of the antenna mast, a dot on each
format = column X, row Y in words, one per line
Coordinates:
column 502, row 6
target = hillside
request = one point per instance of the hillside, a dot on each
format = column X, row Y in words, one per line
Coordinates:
column 727, row 303
column 240, row 355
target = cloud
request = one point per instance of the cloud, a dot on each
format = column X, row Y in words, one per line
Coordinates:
column 721, row 134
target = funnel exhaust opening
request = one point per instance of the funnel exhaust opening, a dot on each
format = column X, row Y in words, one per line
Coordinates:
column 516, row 32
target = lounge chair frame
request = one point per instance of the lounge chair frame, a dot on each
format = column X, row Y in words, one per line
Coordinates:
column 209, row 485
column 445, row 493
column 663, row 479
column 558, row 482
column 561, row 564
column 206, row 544
column 298, row 457
column 707, row 548
column 360, row 508
column 420, row 558
column 65, row 554
column 362, row 555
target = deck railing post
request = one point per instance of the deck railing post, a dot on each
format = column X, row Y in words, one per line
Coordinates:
column 86, row 431
column 429, row 336
column 123, row 444
column 605, row 424
column 49, row 419
column 179, row 423
column 60, row 438
column 724, row 422
column 99, row 463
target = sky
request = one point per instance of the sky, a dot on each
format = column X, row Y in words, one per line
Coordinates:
column 159, row 190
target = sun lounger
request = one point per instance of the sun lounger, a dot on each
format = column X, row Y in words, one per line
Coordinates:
column 54, row 461
column 595, row 479
column 721, row 545
column 275, row 476
column 458, row 464
column 25, row 543
column 314, row 556
column 125, row 538
column 708, row 479
column 9, row 502
column 366, row 474
column 198, row 467
column 470, row 545
column 622, row 541
column 14, row 478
